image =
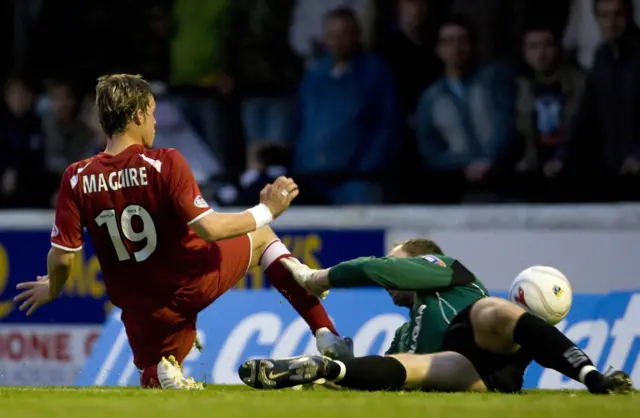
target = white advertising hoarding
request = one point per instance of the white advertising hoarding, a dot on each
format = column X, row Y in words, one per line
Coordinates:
column 594, row 245
column 44, row 355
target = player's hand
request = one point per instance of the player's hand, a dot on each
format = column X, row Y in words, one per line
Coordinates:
column 305, row 276
column 477, row 171
column 631, row 165
column 279, row 195
column 9, row 182
column 34, row 294
column 226, row 85
column 552, row 168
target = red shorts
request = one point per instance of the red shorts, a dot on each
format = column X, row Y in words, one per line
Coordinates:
column 172, row 329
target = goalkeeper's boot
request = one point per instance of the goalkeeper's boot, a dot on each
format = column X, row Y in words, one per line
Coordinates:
column 170, row 376
column 283, row 373
column 333, row 346
column 615, row 382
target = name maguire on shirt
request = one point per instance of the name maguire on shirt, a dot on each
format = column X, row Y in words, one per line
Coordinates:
column 115, row 180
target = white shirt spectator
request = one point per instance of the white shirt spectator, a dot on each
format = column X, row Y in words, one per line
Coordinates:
column 172, row 131
column 582, row 33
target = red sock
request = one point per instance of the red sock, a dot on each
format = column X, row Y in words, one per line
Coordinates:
column 307, row 305
column 149, row 378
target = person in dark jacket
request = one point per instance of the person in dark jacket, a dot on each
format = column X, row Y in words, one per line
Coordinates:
column 605, row 142
column 23, row 181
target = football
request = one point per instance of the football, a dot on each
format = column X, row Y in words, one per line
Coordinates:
column 543, row 291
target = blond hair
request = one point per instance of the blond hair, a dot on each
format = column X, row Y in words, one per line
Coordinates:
column 118, row 98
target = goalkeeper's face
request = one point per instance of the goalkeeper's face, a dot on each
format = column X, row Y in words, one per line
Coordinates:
column 402, row 298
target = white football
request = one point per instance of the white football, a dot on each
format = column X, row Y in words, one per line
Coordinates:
column 543, row 291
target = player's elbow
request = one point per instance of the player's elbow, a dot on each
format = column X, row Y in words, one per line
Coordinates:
column 209, row 228
column 218, row 226
column 58, row 257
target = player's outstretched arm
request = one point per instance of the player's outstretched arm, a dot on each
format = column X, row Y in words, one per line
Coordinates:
column 275, row 199
column 218, row 226
column 415, row 273
column 187, row 201
column 46, row 288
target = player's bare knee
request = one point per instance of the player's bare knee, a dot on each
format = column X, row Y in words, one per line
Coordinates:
column 261, row 237
column 260, row 240
column 494, row 315
column 493, row 321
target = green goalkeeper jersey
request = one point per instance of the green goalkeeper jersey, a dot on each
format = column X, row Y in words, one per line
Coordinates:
column 443, row 288
column 401, row 340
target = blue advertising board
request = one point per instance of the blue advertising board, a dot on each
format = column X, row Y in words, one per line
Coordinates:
column 258, row 324
column 83, row 301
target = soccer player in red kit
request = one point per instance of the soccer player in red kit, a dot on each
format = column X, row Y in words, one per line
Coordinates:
column 165, row 255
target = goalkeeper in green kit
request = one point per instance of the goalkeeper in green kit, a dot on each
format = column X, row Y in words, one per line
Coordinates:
column 458, row 338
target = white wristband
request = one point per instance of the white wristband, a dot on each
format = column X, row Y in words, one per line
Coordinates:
column 262, row 215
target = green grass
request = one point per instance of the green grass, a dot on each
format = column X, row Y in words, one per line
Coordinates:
column 235, row 401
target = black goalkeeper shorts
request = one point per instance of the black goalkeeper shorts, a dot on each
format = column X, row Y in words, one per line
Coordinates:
column 500, row 372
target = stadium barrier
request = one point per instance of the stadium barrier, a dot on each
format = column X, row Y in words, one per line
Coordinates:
column 594, row 245
column 259, row 324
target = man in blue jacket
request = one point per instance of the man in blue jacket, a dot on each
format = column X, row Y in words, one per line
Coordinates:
column 348, row 118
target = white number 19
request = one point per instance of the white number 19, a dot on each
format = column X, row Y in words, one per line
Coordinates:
column 108, row 216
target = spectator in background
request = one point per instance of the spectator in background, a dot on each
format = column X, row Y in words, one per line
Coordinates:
column 548, row 93
column 348, row 118
column 308, row 26
column 582, row 35
column 409, row 51
column 605, row 142
column 500, row 24
column 198, row 51
column 80, row 40
column 89, row 115
column 492, row 20
column 67, row 138
column 271, row 162
column 13, row 49
column 265, row 71
column 466, row 119
column 410, row 55
column 153, row 44
column 21, row 160
column 554, row 14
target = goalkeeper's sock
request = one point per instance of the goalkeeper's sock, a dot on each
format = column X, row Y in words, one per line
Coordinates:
column 307, row 305
column 370, row 373
column 552, row 349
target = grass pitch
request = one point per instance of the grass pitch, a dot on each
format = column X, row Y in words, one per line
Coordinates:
column 238, row 401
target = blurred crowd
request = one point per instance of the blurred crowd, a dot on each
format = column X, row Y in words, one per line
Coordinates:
column 362, row 101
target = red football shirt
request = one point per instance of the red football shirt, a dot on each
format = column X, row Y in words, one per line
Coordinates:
column 137, row 207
